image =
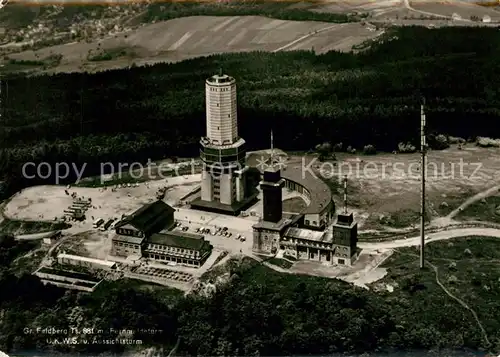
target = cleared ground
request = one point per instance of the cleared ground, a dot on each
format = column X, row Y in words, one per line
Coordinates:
column 49, row 202
column 189, row 37
column 385, row 189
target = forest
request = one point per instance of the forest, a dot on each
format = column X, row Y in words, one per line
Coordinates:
column 158, row 111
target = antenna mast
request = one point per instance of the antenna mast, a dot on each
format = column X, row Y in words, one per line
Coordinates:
column 345, row 194
column 272, row 147
column 423, row 148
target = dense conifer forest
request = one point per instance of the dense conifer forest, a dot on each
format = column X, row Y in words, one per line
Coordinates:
column 158, row 111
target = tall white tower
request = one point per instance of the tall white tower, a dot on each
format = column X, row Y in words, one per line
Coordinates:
column 223, row 185
column 222, row 117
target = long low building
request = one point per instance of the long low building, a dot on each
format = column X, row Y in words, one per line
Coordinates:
column 67, row 279
column 68, row 259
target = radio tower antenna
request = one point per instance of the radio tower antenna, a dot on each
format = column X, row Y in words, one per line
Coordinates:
column 345, row 194
column 272, row 147
column 423, row 149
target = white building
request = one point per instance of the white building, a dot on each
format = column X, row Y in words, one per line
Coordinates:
column 222, row 117
column 223, row 186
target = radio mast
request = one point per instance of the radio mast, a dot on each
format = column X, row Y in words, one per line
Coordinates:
column 423, row 149
column 345, row 194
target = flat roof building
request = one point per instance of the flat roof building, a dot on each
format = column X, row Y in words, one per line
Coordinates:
column 77, row 260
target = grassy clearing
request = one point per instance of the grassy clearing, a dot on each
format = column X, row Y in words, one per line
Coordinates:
column 469, row 268
column 15, row 227
column 483, row 210
column 110, row 54
column 282, row 263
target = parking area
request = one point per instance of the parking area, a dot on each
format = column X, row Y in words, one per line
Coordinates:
column 163, row 273
column 233, row 234
column 50, row 202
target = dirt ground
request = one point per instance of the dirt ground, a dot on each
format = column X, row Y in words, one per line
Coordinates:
column 49, row 202
column 389, row 185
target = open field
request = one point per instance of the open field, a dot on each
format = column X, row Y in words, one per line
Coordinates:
column 51, row 201
column 461, row 8
column 385, row 188
column 105, row 37
column 190, row 37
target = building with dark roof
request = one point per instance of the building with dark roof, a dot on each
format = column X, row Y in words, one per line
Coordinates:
column 132, row 230
column 177, row 247
column 148, row 233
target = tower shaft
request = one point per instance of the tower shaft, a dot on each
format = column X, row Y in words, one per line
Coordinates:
column 423, row 172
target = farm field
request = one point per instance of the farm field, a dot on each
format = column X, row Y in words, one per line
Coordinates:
column 190, row 37
column 448, row 8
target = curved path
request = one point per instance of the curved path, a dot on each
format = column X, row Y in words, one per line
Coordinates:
column 473, row 200
column 282, row 48
column 457, row 299
column 461, row 302
column 35, row 236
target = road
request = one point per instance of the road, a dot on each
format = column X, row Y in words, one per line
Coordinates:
column 415, row 241
column 282, row 48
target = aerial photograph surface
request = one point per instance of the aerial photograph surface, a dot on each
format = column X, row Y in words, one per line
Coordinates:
column 249, row 178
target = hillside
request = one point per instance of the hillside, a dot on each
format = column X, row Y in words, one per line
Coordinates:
column 158, row 111
column 188, row 37
column 66, row 37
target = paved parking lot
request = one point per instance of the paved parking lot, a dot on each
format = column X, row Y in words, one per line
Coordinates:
column 237, row 226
